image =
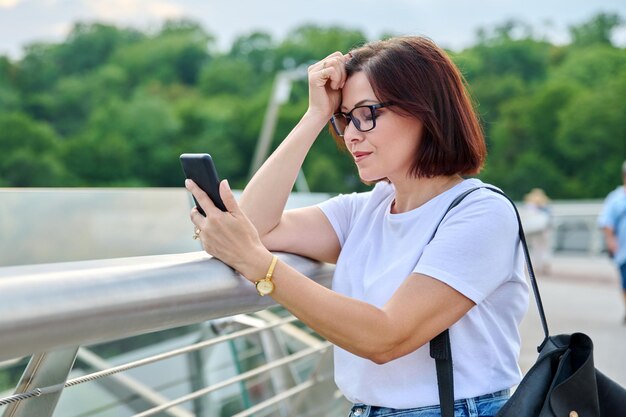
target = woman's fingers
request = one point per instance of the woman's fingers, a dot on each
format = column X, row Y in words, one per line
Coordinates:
column 326, row 61
column 197, row 219
column 333, row 68
column 201, row 197
column 326, row 79
column 224, row 235
column 338, row 62
column 228, row 198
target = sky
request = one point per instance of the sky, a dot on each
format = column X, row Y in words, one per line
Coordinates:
column 450, row 23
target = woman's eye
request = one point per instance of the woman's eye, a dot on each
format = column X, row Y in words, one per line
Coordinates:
column 372, row 115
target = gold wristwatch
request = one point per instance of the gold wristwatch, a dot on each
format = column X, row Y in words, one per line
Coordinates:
column 265, row 286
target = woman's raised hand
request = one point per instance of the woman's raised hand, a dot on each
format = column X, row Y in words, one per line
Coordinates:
column 326, row 79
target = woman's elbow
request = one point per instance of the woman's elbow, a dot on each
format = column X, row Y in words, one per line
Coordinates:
column 383, row 356
column 391, row 352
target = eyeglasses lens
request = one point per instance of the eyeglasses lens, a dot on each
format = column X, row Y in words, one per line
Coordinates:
column 361, row 117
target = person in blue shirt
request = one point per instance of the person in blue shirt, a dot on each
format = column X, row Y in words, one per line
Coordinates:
column 613, row 222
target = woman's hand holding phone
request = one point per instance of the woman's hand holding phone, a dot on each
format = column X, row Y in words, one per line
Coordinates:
column 223, row 229
column 229, row 235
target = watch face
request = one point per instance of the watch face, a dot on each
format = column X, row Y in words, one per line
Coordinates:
column 265, row 287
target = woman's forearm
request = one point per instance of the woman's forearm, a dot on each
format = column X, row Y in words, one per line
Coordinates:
column 356, row 326
column 264, row 198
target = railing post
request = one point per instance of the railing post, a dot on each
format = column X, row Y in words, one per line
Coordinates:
column 196, row 362
column 50, row 370
column 282, row 378
column 307, row 400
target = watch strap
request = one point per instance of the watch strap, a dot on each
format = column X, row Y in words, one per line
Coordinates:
column 268, row 278
column 270, row 271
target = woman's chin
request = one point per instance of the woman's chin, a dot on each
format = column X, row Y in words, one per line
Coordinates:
column 365, row 177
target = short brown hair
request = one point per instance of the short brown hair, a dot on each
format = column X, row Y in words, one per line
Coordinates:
column 422, row 82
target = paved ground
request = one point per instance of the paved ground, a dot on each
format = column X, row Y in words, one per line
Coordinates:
column 581, row 294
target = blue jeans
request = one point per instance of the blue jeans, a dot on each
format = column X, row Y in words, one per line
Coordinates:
column 482, row 406
column 622, row 271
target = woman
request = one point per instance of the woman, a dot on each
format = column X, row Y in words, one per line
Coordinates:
column 400, row 108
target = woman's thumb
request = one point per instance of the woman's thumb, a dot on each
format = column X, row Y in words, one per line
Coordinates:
column 227, row 197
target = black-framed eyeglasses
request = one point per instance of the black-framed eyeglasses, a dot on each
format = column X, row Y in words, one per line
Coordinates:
column 362, row 117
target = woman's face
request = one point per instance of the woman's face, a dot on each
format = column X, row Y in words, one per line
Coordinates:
column 388, row 150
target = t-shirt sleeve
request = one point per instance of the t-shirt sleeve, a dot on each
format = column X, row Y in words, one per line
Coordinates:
column 476, row 248
column 607, row 218
column 341, row 212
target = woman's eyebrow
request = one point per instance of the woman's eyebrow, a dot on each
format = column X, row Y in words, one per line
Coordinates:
column 359, row 103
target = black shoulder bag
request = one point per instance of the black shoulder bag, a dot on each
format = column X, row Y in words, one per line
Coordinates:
column 563, row 382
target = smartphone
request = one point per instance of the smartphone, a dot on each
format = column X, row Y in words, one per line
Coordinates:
column 200, row 168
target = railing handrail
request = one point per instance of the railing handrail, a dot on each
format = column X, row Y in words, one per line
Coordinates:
column 52, row 306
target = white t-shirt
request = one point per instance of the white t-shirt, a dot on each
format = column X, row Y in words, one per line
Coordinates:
column 476, row 251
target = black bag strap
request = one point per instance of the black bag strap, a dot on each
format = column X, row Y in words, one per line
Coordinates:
column 440, row 349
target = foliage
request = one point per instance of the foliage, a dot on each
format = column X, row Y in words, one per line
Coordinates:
column 31, row 152
column 115, row 106
column 550, row 113
column 597, row 30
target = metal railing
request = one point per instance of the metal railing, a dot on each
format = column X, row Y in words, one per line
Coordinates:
column 54, row 311
column 49, row 311
column 576, row 230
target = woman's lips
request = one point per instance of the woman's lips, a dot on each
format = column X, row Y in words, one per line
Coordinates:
column 359, row 156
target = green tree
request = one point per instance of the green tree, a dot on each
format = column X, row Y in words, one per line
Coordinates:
column 9, row 95
column 592, row 138
column 38, row 69
column 217, row 77
column 525, row 58
column 126, row 142
column 213, row 125
column 89, row 46
column 101, row 160
column 323, row 174
column 523, row 141
column 258, row 49
column 310, row 43
column 598, row 30
column 176, row 54
column 590, row 66
column 30, row 153
column 113, row 106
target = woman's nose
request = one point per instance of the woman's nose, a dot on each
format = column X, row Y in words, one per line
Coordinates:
column 352, row 134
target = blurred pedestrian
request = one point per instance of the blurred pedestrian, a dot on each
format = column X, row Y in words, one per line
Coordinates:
column 538, row 228
column 613, row 222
